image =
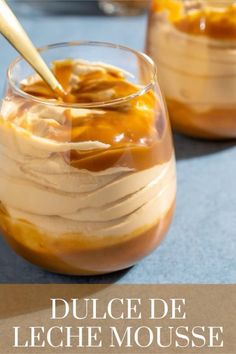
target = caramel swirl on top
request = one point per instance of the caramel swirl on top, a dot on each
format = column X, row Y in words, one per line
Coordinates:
column 134, row 129
column 217, row 24
column 200, row 18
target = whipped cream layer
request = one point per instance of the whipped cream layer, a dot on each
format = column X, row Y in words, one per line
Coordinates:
column 38, row 186
column 196, row 70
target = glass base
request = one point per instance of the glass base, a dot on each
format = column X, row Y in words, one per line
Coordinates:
column 71, row 254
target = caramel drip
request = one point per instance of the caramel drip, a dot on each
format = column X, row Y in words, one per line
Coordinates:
column 135, row 130
column 135, row 157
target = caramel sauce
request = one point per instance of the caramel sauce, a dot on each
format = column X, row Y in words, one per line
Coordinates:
column 134, row 129
column 217, row 23
column 174, row 8
column 77, row 254
column 211, row 23
column 217, row 123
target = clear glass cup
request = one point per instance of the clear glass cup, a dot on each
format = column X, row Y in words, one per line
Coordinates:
column 123, row 7
column 194, row 45
column 86, row 188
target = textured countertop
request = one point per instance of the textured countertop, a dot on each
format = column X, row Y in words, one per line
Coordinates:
column 201, row 244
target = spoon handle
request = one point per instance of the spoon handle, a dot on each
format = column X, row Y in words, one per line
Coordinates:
column 15, row 34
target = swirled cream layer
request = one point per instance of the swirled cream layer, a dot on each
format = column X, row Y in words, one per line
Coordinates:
column 38, row 186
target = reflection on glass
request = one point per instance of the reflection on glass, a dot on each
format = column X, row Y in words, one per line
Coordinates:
column 123, row 7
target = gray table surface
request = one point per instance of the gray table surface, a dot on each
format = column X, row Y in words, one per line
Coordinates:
column 201, row 244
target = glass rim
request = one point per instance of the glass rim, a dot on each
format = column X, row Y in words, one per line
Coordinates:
column 111, row 102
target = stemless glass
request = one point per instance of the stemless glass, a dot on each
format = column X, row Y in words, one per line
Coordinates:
column 86, row 188
column 194, row 44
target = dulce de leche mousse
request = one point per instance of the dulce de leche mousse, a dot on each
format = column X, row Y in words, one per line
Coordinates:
column 194, row 44
column 86, row 186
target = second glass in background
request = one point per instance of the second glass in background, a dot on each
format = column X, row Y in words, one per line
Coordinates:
column 194, row 45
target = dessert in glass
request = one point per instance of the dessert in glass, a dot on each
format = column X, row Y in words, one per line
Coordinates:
column 87, row 181
column 194, row 45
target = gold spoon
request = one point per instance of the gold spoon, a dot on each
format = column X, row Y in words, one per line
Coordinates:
column 17, row 37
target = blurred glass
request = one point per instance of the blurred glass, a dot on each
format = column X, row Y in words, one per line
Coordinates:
column 123, row 7
column 194, row 46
